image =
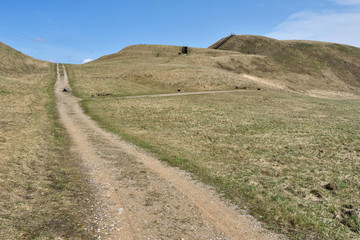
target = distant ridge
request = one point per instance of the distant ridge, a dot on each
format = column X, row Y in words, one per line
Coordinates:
column 314, row 68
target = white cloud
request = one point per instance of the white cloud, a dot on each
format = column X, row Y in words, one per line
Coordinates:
column 86, row 60
column 330, row 26
column 346, row 2
column 38, row 39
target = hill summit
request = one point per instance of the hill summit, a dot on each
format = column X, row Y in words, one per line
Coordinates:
column 299, row 64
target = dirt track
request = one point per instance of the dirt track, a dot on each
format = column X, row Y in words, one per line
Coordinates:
column 178, row 94
column 141, row 198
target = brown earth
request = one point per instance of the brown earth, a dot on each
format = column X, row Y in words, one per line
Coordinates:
column 138, row 197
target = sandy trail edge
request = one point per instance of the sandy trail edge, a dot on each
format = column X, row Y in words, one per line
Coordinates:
column 215, row 212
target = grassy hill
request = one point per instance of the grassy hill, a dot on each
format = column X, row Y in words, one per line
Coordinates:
column 144, row 69
column 312, row 68
column 288, row 158
column 13, row 62
column 316, row 68
column 38, row 184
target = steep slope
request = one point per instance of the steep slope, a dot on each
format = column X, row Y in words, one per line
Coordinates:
column 306, row 66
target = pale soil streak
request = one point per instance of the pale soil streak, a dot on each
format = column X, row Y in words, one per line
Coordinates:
column 141, row 198
column 265, row 81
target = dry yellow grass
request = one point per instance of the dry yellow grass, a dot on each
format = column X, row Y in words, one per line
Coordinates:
column 272, row 152
column 145, row 69
column 39, row 181
column 14, row 63
column 309, row 67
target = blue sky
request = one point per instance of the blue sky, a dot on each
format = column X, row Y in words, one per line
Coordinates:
column 78, row 30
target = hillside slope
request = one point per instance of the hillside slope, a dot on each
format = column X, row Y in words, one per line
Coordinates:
column 290, row 159
column 147, row 69
column 39, row 186
column 13, row 62
column 317, row 68
column 312, row 68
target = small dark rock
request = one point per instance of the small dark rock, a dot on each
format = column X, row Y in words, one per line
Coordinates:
column 103, row 94
column 28, row 197
column 258, row 89
column 236, row 87
column 179, row 90
column 65, row 90
column 330, row 186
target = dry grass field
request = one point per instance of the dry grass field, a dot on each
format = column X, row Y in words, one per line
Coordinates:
column 288, row 154
column 290, row 159
column 41, row 186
